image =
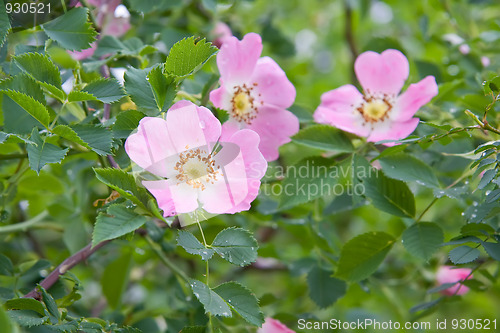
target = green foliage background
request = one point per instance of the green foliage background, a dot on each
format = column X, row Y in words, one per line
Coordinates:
column 314, row 266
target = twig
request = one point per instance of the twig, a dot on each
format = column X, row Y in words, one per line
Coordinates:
column 165, row 260
column 23, row 226
column 66, row 265
column 349, row 35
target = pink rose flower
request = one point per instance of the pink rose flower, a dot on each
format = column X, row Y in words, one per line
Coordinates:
column 380, row 113
column 193, row 169
column 485, row 61
column 85, row 53
column 274, row 326
column 464, row 49
column 448, row 274
column 256, row 92
column 221, row 33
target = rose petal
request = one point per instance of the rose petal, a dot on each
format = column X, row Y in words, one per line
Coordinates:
column 389, row 130
column 84, row 54
column 383, row 73
column 337, row 108
column 255, row 167
column 417, row 95
column 191, row 126
column 151, row 146
column 274, row 326
column 273, row 86
column 448, row 274
column 221, row 97
column 275, row 126
column 236, row 59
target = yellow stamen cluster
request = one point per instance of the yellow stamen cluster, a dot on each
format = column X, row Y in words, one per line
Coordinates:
column 197, row 168
column 243, row 104
column 374, row 109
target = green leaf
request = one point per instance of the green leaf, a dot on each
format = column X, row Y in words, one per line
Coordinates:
column 125, row 184
column 115, row 278
column 323, row 137
column 492, row 86
column 311, row 178
column 462, row 240
column 25, row 304
column 463, row 254
column 69, row 134
column 426, row 305
column 5, row 324
column 422, row 239
column 211, row 301
column 454, row 192
column 193, row 246
column 6, row 267
column 72, row 30
column 17, row 119
column 26, row 84
column 493, row 196
column 110, row 45
column 408, row 168
column 493, row 249
column 42, row 152
column 106, row 90
column 58, row 93
column 477, row 229
column 80, row 96
column 36, row 109
column 27, row 318
column 187, row 56
column 194, row 329
column 140, row 91
column 126, row 122
column 40, row 67
column 68, row 327
column 441, row 287
column 487, row 178
column 4, row 23
column 389, row 195
column 116, row 222
column 361, row 256
column 99, row 138
column 324, row 289
column 164, row 88
column 242, row 301
column 236, row 245
column 51, row 305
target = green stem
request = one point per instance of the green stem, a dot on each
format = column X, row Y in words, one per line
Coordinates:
column 51, row 126
column 207, row 274
column 165, row 260
column 188, row 96
column 426, row 209
column 461, row 283
column 63, row 3
column 23, row 226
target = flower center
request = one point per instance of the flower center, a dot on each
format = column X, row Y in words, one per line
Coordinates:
column 241, row 103
column 244, row 107
column 374, row 109
column 197, row 168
